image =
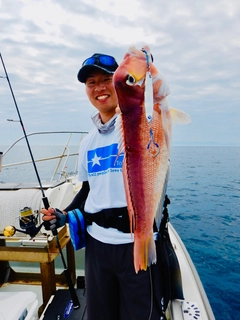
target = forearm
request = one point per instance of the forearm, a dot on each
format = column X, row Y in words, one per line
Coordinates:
column 80, row 197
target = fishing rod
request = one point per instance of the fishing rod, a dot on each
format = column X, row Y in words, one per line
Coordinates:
column 75, row 300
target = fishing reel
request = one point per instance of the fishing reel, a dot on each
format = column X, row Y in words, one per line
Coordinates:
column 28, row 223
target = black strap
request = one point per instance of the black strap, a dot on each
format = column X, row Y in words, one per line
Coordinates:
column 111, row 218
column 165, row 217
column 115, row 218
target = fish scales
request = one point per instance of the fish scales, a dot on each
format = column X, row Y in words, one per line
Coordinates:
column 146, row 154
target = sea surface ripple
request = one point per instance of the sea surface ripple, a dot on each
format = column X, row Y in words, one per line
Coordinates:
column 204, row 190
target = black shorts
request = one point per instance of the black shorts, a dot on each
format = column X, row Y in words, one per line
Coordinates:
column 113, row 289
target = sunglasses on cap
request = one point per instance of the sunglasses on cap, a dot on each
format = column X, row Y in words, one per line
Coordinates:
column 100, row 59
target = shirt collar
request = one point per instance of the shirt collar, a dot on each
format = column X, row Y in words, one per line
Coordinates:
column 104, row 128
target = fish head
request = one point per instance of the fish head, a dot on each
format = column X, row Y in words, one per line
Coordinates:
column 130, row 80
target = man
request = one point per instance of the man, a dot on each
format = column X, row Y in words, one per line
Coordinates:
column 113, row 289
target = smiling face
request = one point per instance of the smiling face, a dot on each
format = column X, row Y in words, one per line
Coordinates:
column 101, row 93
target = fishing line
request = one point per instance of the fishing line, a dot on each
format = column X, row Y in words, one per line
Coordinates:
column 151, row 293
column 73, row 294
column 44, row 198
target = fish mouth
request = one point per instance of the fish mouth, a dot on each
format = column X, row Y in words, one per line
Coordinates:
column 140, row 82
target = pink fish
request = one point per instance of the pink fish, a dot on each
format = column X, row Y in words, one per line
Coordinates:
column 145, row 124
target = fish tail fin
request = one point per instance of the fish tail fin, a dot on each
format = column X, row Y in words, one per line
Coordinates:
column 144, row 252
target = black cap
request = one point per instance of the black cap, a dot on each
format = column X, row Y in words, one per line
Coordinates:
column 97, row 60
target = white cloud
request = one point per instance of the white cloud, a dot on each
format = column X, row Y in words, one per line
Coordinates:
column 195, row 45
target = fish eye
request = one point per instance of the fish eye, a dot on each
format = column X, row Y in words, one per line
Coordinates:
column 130, row 80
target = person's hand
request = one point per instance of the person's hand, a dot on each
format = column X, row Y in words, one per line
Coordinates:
column 53, row 218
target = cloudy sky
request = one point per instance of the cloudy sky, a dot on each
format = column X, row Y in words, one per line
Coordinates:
column 195, row 44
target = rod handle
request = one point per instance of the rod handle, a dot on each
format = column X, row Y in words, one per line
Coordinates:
column 46, row 206
column 45, row 202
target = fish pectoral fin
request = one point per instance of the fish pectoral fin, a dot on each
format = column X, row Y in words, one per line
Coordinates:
column 121, row 150
column 178, row 116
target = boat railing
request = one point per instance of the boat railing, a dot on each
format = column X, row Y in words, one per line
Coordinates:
column 68, row 148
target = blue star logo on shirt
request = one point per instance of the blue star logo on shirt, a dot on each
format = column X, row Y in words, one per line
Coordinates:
column 95, row 160
column 104, row 159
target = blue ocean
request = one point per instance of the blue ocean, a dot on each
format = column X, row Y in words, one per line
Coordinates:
column 204, row 190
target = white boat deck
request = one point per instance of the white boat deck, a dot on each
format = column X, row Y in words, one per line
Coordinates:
column 35, row 286
column 195, row 303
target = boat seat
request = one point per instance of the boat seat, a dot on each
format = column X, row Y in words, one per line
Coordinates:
column 12, row 201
